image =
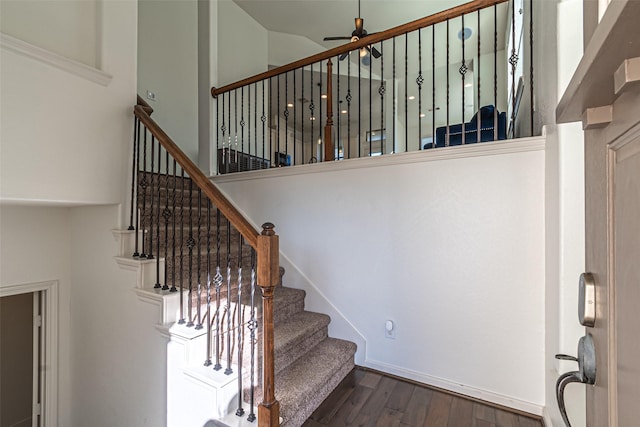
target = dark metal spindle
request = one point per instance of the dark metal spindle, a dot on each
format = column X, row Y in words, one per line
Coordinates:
column 228, row 370
column 302, row 115
column 136, row 125
column 311, row 108
column 158, row 285
column 137, row 175
column 419, row 81
column 218, row 134
column 348, row 98
column 370, row 99
column 433, row 86
column 271, row 120
column 198, row 263
column 320, row 155
column 381, row 92
column 286, row 113
column 217, row 280
column 406, row 95
column 151, row 175
column 359, row 105
column 294, row 117
column 393, row 96
column 447, row 138
column 513, row 60
column 208, row 361
column 531, row 64
column 278, row 127
column 173, row 233
column 182, row 209
column 253, row 325
column 495, row 72
column 190, row 244
column 242, row 124
column 240, row 343
column 463, row 72
column 478, row 87
column 338, row 140
column 263, row 118
column 166, row 214
column 235, row 136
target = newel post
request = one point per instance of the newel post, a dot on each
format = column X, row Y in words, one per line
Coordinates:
column 329, row 152
column 268, row 278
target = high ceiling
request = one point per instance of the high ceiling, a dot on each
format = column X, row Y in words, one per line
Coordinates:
column 316, row 19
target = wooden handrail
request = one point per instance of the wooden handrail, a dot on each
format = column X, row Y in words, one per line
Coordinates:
column 249, row 233
column 427, row 21
column 145, row 106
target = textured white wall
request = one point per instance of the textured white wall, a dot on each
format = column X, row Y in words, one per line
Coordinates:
column 69, row 28
column 65, row 139
column 451, row 250
column 168, row 67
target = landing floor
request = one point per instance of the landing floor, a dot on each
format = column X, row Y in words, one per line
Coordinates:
column 367, row 398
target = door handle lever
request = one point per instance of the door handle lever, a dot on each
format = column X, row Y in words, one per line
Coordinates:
column 586, row 373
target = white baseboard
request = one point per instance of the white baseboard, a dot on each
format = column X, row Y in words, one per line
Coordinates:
column 445, row 384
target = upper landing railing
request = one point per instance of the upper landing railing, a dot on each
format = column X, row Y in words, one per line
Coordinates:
column 461, row 76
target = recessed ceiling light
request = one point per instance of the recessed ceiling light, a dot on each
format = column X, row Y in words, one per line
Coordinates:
column 343, row 111
column 465, row 33
column 422, row 114
column 312, row 118
column 290, row 105
column 468, row 85
column 323, row 96
column 411, row 98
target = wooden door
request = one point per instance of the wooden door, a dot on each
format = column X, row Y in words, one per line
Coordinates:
column 612, row 169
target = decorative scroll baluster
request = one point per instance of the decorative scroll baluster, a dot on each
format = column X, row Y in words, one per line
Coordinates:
column 513, row 61
column 286, row 113
column 166, row 214
column 329, row 152
column 207, row 361
column 381, row 91
column 320, row 151
column 199, row 264
column 419, row 81
column 144, row 183
column 463, row 72
column 253, row 326
column 158, row 285
column 348, row 99
column 217, row 281
column 311, row 117
column 190, row 244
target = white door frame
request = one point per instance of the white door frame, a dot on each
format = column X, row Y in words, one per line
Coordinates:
column 49, row 345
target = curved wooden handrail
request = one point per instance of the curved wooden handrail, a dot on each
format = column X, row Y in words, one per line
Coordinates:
column 427, row 21
column 249, row 233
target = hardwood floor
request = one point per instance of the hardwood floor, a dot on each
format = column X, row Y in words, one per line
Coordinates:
column 366, row 398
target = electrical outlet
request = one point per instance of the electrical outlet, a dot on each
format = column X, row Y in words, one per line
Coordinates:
column 151, row 95
column 390, row 330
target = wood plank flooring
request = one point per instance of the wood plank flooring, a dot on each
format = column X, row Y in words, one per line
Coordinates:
column 366, row 398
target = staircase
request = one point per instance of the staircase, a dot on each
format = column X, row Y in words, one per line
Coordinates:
column 308, row 363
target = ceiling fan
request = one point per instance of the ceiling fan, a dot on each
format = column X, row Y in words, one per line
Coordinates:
column 356, row 35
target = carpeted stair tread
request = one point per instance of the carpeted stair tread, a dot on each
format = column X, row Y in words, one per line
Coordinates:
column 287, row 302
column 299, row 334
column 302, row 386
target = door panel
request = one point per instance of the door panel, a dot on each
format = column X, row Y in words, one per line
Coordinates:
column 626, row 204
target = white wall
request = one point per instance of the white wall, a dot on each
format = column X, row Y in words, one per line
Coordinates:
column 118, row 356
column 242, row 44
column 69, row 28
column 35, row 246
column 285, row 48
column 168, row 67
column 451, row 250
column 65, row 138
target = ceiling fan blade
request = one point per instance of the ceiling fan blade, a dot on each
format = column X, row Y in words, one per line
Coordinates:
column 344, row 55
column 359, row 26
column 375, row 52
column 337, row 38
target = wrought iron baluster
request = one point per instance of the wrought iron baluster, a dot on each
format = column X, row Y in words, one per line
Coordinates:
column 242, row 124
column 263, row 118
column 381, row 90
column 406, row 89
column 217, row 280
column 136, row 126
column 235, row 135
column 359, row 106
column 302, row 114
column 495, row 72
column 370, row 101
column 513, row 61
column 151, row 208
column 199, row 263
column 173, row 235
column 222, row 163
column 531, row 106
column 286, row 113
column 348, row 99
column 295, row 111
column 447, row 135
column 136, row 253
column 320, row 139
column 218, row 135
column 158, row 285
column 479, row 81
column 207, row 361
column 240, row 343
column 311, row 117
column 393, row 95
column 166, row 214
column 278, row 115
column 227, row 159
column 182, row 243
column 339, row 109
column 433, row 86
column 228, row 370
column 463, row 72
column 419, row 81
column 253, row 326
column 190, row 244
column 271, row 121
